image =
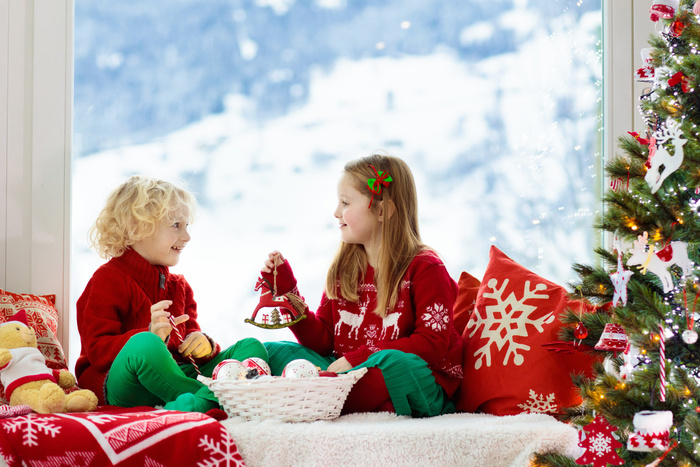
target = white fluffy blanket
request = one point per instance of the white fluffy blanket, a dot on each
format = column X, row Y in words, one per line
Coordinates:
column 383, row 439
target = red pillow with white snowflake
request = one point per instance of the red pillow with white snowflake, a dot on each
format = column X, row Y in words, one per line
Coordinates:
column 507, row 370
column 43, row 317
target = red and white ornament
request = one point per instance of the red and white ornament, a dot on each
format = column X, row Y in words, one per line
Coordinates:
column 612, row 339
column 620, row 278
column 690, row 336
column 663, row 9
column 632, row 359
column 675, row 253
column 229, row 370
column 600, row 444
column 300, row 368
column 255, row 363
column 646, row 72
column 651, row 431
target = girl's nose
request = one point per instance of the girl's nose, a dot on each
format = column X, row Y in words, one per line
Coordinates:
column 186, row 236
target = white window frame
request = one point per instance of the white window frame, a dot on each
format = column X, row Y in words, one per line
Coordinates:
column 36, row 99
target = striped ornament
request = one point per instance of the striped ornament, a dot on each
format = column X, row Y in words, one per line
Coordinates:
column 662, row 362
column 177, row 332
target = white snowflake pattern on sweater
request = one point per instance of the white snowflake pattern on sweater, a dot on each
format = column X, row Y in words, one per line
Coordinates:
column 437, row 317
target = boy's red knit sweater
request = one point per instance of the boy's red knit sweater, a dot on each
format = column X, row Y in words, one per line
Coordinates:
column 116, row 304
column 420, row 323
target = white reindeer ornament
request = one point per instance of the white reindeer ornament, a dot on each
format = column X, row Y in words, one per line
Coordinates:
column 655, row 176
column 675, row 253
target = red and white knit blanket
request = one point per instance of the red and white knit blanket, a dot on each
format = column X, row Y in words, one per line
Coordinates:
column 116, row 436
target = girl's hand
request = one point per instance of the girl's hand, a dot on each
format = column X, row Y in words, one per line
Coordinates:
column 195, row 344
column 160, row 323
column 273, row 259
column 339, row 365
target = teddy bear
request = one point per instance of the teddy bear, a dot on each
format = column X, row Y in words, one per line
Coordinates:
column 27, row 379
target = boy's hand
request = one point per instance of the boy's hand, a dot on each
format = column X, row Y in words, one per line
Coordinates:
column 339, row 366
column 195, row 344
column 160, row 323
column 273, row 259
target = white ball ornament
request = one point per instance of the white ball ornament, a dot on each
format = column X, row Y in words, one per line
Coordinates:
column 690, row 336
column 300, row 368
column 257, row 364
column 229, row 370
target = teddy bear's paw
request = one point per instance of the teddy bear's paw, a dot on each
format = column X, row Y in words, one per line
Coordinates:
column 66, row 379
column 51, row 399
column 82, row 400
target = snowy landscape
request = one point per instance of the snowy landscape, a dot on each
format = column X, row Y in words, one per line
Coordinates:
column 504, row 146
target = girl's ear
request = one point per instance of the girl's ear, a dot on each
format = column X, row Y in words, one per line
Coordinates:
column 386, row 209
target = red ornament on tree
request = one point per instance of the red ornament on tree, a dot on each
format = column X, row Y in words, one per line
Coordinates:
column 677, row 28
column 581, row 331
column 600, row 444
column 612, row 339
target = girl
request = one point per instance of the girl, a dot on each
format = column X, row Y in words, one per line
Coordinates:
column 129, row 355
column 388, row 300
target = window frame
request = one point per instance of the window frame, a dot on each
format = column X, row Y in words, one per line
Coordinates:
column 36, row 103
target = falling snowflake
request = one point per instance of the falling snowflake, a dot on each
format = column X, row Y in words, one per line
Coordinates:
column 539, row 403
column 507, row 320
column 224, row 453
column 437, row 317
column 33, row 426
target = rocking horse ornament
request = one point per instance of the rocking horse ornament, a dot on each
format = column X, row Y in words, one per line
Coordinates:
column 288, row 309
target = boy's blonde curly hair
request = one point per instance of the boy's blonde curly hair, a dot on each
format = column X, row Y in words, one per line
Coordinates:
column 134, row 211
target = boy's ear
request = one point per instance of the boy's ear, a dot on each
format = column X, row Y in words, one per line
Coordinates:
column 387, row 209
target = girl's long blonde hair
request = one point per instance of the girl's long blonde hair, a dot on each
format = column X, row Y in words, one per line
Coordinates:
column 134, row 211
column 400, row 239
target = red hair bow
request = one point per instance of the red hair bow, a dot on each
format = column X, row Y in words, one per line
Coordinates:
column 374, row 185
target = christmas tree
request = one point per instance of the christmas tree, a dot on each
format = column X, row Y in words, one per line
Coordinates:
column 647, row 285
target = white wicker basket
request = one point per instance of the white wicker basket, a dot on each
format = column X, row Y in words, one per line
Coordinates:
column 285, row 399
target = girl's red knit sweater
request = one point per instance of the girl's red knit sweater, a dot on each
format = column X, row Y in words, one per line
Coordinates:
column 421, row 322
column 116, row 304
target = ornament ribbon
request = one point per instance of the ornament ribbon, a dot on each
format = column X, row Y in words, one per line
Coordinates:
column 374, row 185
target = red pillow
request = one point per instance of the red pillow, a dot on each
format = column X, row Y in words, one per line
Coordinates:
column 43, row 317
column 466, row 299
column 507, row 370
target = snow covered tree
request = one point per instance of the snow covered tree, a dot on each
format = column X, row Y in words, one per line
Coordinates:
column 647, row 285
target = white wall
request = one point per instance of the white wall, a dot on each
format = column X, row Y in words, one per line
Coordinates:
column 626, row 30
column 36, row 79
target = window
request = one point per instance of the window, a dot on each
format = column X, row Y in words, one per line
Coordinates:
column 256, row 105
